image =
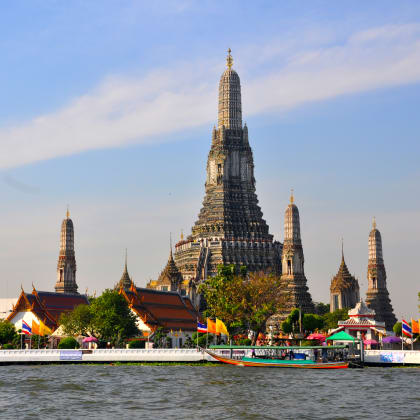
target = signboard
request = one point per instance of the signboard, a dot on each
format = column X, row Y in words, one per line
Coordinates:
column 70, row 355
column 392, row 357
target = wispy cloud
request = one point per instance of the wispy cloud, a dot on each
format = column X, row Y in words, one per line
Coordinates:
column 128, row 110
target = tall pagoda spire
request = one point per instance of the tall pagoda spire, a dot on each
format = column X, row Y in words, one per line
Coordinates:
column 230, row 228
column 293, row 273
column 125, row 281
column 377, row 296
column 66, row 266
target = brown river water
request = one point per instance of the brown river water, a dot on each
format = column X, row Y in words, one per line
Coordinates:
column 213, row 392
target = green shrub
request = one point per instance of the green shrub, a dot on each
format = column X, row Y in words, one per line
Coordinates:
column 137, row 344
column 68, row 343
column 8, row 346
column 243, row 342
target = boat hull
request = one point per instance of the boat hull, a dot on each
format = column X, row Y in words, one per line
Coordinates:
column 300, row 364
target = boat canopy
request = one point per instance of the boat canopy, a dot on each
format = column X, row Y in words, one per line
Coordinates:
column 227, row 347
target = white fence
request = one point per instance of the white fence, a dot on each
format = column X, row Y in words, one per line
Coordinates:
column 390, row 357
column 103, row 355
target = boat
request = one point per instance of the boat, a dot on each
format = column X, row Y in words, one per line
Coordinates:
column 271, row 356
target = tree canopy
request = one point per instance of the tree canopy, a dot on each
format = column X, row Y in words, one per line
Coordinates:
column 8, row 332
column 108, row 317
column 244, row 301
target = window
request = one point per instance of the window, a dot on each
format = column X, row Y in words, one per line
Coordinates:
column 374, row 282
column 335, row 304
column 164, row 288
column 289, row 266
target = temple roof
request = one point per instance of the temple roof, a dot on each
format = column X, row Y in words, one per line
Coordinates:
column 343, row 279
column 125, row 281
column 361, row 309
column 162, row 309
column 170, row 274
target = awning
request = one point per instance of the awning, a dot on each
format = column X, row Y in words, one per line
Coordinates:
column 341, row 336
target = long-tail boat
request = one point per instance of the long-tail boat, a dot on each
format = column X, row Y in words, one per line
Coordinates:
column 281, row 357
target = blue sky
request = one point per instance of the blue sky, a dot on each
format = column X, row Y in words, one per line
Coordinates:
column 108, row 107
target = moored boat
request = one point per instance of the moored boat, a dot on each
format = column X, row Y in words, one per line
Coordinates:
column 282, row 357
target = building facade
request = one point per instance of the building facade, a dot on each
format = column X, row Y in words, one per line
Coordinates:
column 344, row 289
column 230, row 228
column 377, row 296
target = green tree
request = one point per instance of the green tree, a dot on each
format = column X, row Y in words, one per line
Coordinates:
column 242, row 301
column 397, row 328
column 113, row 320
column 137, row 344
column 312, row 322
column 68, row 343
column 331, row 318
column 80, row 321
column 39, row 341
column 322, row 308
column 7, row 332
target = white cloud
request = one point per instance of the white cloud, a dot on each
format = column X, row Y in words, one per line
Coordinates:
column 122, row 111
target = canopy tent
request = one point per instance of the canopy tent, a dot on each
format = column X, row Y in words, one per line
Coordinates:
column 391, row 339
column 341, row 336
column 370, row 342
column 316, row 336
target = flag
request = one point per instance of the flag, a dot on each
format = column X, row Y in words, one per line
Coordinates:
column 201, row 327
column 35, row 328
column 43, row 329
column 406, row 329
column 26, row 329
column 415, row 326
column 211, row 326
column 221, row 327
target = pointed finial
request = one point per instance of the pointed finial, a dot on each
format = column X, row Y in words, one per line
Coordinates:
column 342, row 248
column 182, row 234
column 67, row 212
column 125, row 259
column 292, row 198
column 374, row 222
column 229, row 60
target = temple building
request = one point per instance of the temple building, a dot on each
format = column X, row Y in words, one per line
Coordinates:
column 168, row 310
column 362, row 324
column 230, row 228
column 66, row 266
column 344, row 289
column 293, row 273
column 377, row 296
column 170, row 279
column 42, row 310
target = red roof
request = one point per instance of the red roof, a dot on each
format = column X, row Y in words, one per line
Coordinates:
column 163, row 309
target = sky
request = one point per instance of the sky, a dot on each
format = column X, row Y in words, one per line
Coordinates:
column 108, row 106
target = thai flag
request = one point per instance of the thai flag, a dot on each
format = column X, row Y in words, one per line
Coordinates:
column 201, row 327
column 406, row 329
column 26, row 329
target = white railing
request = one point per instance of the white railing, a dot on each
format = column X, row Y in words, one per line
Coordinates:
column 393, row 356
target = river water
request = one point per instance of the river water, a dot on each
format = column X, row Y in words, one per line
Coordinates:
column 214, row 392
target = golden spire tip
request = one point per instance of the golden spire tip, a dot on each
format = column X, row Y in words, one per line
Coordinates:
column 374, row 222
column 67, row 212
column 292, row 198
column 229, row 60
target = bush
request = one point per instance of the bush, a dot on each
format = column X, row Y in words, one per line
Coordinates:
column 137, row 344
column 8, row 346
column 68, row 343
column 243, row 342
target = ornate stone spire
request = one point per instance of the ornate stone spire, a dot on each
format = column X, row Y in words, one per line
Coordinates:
column 125, row 281
column 344, row 289
column 377, row 296
column 230, row 228
column 230, row 108
column 293, row 273
column 66, row 267
column 171, row 276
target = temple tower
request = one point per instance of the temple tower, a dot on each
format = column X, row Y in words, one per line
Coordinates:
column 66, row 267
column 230, row 228
column 125, row 281
column 344, row 289
column 377, row 296
column 293, row 273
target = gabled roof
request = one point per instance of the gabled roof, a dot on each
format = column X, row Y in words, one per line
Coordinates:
column 162, row 309
column 47, row 306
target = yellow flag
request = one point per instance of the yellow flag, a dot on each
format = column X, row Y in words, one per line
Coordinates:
column 35, row 328
column 221, row 327
column 211, row 326
column 415, row 327
column 43, row 329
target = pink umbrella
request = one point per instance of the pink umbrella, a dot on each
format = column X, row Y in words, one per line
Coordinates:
column 90, row 340
column 316, row 336
column 370, row 342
